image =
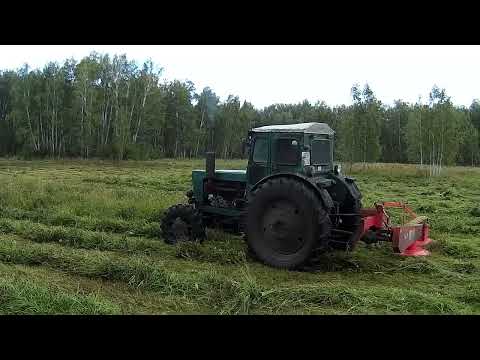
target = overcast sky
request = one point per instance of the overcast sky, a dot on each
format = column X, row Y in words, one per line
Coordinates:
column 265, row 74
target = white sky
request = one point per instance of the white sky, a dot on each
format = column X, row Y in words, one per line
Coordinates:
column 267, row 74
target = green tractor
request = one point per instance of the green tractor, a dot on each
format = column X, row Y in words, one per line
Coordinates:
column 291, row 202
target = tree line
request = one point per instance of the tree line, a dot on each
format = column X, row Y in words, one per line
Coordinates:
column 111, row 107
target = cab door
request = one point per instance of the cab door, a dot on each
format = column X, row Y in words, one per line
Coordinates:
column 259, row 159
column 287, row 153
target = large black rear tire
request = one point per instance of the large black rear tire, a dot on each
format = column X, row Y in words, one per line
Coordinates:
column 285, row 223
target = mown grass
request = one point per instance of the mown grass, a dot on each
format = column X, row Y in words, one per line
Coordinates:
column 83, row 237
column 29, row 298
column 24, row 296
column 79, row 238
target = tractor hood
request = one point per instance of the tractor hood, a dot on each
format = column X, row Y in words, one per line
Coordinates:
column 229, row 175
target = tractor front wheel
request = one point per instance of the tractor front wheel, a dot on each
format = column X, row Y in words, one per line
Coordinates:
column 182, row 223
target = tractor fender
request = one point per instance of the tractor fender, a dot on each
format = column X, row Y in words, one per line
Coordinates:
column 345, row 188
column 322, row 193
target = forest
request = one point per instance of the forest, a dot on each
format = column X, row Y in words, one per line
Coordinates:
column 110, row 107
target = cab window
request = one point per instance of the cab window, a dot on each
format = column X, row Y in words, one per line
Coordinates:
column 260, row 150
column 321, row 152
column 287, row 152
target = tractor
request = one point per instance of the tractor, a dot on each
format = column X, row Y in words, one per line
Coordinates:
column 291, row 203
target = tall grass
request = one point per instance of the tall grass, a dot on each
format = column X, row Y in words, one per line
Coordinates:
column 100, row 221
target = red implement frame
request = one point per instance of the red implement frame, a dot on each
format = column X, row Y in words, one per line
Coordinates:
column 408, row 239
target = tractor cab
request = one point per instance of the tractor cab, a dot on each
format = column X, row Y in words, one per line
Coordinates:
column 305, row 149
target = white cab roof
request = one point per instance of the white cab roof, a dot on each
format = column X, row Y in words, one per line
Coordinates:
column 307, row 128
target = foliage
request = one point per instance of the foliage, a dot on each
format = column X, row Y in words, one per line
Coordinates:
column 112, row 107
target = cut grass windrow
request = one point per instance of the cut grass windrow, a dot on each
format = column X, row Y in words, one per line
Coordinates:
column 79, row 238
column 145, row 228
column 221, row 252
column 25, row 297
column 240, row 294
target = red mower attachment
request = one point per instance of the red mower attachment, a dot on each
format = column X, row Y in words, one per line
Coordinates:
column 407, row 239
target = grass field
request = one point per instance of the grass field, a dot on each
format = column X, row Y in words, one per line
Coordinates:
column 83, row 238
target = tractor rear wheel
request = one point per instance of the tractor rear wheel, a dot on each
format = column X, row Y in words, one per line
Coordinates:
column 182, row 223
column 285, row 223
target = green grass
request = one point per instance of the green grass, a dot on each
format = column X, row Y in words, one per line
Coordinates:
column 82, row 237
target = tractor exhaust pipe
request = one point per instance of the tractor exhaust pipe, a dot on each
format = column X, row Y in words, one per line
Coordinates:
column 210, row 164
column 211, row 107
